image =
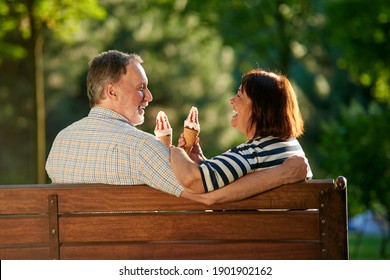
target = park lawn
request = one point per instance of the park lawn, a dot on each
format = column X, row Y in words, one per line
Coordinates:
column 366, row 247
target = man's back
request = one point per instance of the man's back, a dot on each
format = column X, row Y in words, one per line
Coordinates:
column 105, row 148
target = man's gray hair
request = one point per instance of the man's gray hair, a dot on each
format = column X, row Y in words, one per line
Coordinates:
column 107, row 68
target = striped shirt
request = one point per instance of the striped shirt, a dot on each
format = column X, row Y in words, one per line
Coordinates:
column 254, row 155
column 105, row 148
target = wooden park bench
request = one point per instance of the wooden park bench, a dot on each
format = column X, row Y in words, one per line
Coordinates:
column 305, row 220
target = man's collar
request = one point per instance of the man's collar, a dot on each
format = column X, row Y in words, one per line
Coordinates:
column 103, row 112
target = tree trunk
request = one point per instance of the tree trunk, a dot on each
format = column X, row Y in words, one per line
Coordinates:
column 36, row 48
column 40, row 106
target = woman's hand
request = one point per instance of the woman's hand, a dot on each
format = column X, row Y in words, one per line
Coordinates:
column 196, row 153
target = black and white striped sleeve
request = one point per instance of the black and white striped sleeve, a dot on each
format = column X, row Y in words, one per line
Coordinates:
column 222, row 170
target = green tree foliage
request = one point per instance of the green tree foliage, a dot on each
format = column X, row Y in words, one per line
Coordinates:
column 355, row 139
column 264, row 33
column 24, row 27
column 336, row 52
column 361, row 29
column 358, row 145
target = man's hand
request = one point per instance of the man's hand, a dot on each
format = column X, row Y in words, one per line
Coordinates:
column 294, row 169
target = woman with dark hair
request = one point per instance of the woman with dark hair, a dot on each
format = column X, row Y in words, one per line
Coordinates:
column 265, row 110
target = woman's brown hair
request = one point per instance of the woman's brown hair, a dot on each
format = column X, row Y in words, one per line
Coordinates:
column 275, row 110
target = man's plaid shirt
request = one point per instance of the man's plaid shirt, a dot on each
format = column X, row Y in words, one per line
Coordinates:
column 105, row 148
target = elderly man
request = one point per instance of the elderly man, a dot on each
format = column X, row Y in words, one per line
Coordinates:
column 106, row 147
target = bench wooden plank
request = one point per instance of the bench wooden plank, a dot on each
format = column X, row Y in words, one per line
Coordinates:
column 31, row 252
column 96, row 197
column 194, row 251
column 190, row 226
column 34, row 229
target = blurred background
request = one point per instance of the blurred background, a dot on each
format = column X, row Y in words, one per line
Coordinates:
column 335, row 52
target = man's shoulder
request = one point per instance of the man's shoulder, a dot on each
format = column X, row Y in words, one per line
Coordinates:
column 114, row 131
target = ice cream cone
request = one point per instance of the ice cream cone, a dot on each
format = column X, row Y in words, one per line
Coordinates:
column 167, row 140
column 191, row 128
column 163, row 130
column 190, row 137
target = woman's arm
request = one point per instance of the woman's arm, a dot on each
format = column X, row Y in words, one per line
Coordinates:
column 293, row 169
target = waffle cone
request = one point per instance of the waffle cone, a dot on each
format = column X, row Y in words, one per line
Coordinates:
column 167, row 140
column 190, row 137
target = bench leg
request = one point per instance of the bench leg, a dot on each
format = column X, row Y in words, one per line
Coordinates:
column 53, row 227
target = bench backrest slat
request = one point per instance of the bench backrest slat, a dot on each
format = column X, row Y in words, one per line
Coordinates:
column 83, row 198
column 14, row 233
column 197, row 251
column 306, row 220
column 185, row 226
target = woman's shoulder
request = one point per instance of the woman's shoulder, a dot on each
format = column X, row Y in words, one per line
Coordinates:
column 265, row 143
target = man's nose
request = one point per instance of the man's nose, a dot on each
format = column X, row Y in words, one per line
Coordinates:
column 148, row 95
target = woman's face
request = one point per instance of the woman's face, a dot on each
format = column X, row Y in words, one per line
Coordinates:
column 242, row 111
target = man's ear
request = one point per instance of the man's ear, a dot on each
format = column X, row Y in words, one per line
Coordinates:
column 110, row 91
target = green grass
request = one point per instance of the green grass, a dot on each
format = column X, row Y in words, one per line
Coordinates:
column 366, row 247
